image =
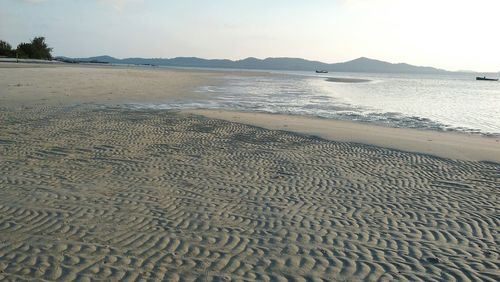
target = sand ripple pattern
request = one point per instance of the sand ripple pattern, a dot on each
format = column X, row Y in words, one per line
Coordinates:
column 112, row 194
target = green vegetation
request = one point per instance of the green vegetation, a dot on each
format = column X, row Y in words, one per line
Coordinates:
column 36, row 49
column 6, row 49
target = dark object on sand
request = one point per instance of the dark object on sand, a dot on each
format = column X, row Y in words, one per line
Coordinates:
column 321, row 71
column 433, row 260
column 97, row 62
column 486, row 79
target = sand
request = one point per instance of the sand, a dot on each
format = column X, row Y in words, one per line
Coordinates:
column 443, row 144
column 347, row 80
column 93, row 192
column 21, row 84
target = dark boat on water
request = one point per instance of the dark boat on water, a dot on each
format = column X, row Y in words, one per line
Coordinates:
column 321, row 71
column 484, row 78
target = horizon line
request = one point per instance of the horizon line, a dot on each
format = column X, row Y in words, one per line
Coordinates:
column 286, row 57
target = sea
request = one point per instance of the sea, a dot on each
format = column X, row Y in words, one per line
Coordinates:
column 455, row 102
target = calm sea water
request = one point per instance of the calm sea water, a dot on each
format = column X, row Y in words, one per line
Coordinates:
column 444, row 103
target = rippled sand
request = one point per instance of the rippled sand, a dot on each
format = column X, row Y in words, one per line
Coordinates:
column 101, row 193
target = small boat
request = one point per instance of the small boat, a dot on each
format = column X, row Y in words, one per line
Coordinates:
column 486, row 79
column 321, row 71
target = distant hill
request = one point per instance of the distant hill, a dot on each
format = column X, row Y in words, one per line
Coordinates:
column 369, row 65
column 295, row 64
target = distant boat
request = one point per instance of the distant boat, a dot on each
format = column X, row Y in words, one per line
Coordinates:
column 321, row 71
column 486, row 79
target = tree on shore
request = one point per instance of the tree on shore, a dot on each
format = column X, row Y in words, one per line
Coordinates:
column 36, row 49
column 5, row 49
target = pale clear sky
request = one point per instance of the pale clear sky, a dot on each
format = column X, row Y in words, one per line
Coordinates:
column 450, row 34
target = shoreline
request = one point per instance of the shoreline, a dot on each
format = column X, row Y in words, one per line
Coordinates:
column 451, row 145
column 73, row 85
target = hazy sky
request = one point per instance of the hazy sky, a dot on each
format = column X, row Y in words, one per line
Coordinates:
column 450, row 34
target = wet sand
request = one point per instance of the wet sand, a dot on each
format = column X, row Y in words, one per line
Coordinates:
column 442, row 144
column 93, row 191
column 347, row 80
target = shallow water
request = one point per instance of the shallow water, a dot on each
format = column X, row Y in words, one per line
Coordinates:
column 444, row 102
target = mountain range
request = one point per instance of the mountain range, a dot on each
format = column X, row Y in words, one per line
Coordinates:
column 292, row 64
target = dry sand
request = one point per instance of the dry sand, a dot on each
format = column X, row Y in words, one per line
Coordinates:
column 103, row 193
column 22, row 84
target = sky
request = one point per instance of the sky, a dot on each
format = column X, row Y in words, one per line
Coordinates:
column 449, row 34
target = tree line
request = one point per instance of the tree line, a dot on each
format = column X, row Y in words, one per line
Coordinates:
column 36, row 49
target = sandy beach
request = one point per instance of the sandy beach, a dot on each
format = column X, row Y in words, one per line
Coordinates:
column 92, row 190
